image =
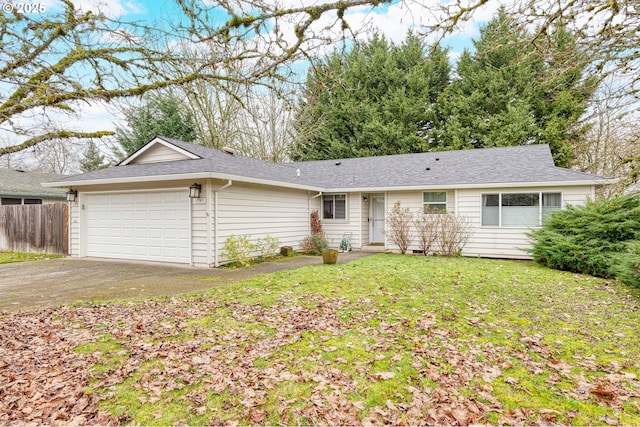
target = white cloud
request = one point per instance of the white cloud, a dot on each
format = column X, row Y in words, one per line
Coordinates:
column 111, row 8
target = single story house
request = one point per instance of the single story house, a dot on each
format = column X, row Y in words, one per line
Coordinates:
column 141, row 209
column 18, row 187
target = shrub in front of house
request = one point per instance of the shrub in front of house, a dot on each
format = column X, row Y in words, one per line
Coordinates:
column 241, row 250
column 268, row 246
column 628, row 265
column 600, row 238
column 238, row 249
column 314, row 244
column 399, row 221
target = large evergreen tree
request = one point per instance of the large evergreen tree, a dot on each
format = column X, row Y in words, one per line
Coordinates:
column 509, row 93
column 159, row 115
column 375, row 99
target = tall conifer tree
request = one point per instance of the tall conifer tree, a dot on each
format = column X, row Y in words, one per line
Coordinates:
column 375, row 99
column 509, row 93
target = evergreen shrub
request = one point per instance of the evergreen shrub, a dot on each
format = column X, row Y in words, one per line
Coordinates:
column 600, row 238
column 314, row 244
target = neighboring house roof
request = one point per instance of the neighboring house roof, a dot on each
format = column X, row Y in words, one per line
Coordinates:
column 16, row 183
column 530, row 164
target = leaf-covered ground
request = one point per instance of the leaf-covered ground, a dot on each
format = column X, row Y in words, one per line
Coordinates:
column 383, row 340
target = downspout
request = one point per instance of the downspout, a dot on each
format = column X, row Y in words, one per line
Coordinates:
column 309, row 211
column 216, row 262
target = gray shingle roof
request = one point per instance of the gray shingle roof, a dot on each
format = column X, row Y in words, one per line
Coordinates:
column 520, row 164
column 18, row 183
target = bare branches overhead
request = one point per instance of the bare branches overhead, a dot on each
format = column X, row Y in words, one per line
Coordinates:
column 57, row 61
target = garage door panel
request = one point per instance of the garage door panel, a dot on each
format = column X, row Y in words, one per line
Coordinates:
column 128, row 250
column 150, row 226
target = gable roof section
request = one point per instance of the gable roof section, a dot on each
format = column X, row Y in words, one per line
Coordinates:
column 489, row 167
column 158, row 142
column 208, row 163
column 28, row 184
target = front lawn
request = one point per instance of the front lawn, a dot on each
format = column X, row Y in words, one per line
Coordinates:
column 387, row 339
column 9, row 257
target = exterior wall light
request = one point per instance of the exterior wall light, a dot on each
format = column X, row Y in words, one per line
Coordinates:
column 194, row 190
column 72, row 195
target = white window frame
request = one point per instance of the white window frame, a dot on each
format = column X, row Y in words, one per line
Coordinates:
column 346, row 207
column 429, row 204
column 500, row 193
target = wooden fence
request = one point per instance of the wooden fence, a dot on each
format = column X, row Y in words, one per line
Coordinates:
column 35, row 228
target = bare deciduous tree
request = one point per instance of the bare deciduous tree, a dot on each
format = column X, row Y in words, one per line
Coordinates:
column 398, row 230
column 611, row 147
column 453, row 234
column 54, row 62
column 427, row 229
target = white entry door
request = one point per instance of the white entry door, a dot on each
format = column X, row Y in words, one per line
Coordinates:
column 146, row 226
column 376, row 222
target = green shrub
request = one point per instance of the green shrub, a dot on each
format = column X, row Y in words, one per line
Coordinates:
column 628, row 265
column 268, row 246
column 596, row 238
column 314, row 244
column 238, row 249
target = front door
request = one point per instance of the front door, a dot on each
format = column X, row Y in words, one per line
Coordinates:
column 376, row 219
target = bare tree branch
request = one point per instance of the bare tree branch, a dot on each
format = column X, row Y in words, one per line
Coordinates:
column 56, row 61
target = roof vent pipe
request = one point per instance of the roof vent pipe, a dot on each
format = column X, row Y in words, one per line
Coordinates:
column 229, row 150
column 298, row 172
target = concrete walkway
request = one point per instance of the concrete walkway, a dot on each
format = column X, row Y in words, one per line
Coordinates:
column 37, row 284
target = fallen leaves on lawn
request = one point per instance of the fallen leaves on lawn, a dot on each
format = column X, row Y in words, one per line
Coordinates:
column 42, row 380
column 251, row 352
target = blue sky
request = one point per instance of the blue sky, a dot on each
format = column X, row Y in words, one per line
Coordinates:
column 393, row 20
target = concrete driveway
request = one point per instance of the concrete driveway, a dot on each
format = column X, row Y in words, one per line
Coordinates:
column 37, row 284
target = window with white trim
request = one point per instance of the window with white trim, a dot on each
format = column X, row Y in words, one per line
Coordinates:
column 518, row 209
column 434, row 202
column 334, row 206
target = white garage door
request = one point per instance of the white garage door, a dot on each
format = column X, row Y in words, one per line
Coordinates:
column 149, row 226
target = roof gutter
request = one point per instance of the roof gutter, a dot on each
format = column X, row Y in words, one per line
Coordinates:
column 475, row 186
column 178, row 177
column 228, row 177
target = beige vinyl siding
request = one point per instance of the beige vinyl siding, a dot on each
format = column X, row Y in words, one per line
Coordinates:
column 201, row 228
column 74, row 227
column 159, row 153
column 334, row 229
column 258, row 211
column 413, row 201
column 506, row 242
